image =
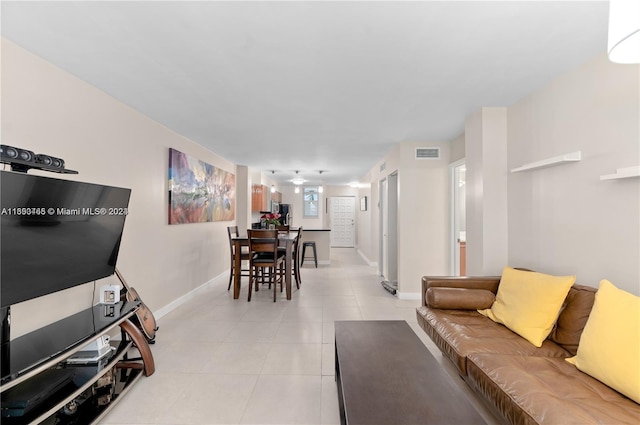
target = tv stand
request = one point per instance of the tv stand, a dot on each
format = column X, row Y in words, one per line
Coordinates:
column 39, row 385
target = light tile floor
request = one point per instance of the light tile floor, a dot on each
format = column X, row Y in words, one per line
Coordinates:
column 225, row 361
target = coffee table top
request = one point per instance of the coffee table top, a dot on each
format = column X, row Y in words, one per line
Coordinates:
column 389, row 377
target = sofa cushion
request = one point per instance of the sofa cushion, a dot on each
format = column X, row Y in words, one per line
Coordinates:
column 528, row 303
column 609, row 349
column 546, row 390
column 573, row 316
column 459, row 333
column 459, row 298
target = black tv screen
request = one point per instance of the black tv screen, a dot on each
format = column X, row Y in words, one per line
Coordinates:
column 55, row 234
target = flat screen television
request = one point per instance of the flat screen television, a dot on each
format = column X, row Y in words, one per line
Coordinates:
column 56, row 234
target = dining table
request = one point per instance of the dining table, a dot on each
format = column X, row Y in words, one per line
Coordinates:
column 285, row 239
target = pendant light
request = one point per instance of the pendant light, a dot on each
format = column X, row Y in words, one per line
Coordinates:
column 320, row 188
column 273, row 187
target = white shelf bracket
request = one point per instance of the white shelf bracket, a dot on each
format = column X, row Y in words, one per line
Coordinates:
column 549, row 162
column 623, row 173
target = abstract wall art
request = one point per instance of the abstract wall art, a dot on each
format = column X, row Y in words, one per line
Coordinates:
column 199, row 192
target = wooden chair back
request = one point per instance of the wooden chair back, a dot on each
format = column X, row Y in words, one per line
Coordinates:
column 282, row 228
column 263, row 242
column 232, row 231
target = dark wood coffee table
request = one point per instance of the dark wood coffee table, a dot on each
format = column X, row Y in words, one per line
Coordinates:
column 386, row 376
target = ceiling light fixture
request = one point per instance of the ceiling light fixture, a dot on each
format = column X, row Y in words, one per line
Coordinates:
column 624, row 31
column 297, row 181
column 320, row 188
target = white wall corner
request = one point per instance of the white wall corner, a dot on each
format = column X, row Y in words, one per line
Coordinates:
column 223, row 277
column 369, row 262
column 409, row 295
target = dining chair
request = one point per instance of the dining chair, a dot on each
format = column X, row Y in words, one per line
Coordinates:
column 295, row 256
column 263, row 246
column 296, row 259
column 232, row 231
column 282, row 228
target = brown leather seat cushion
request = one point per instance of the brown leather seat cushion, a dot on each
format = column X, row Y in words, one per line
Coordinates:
column 546, row 390
column 459, row 333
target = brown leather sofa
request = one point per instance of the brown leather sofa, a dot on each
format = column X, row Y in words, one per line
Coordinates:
column 521, row 383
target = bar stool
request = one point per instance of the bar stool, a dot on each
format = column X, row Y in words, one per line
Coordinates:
column 311, row 244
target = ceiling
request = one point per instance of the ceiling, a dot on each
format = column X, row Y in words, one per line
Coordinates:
column 311, row 85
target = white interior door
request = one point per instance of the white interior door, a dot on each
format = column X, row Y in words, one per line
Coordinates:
column 384, row 242
column 392, row 228
column 342, row 213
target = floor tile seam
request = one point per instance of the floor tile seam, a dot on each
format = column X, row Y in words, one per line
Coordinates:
column 246, row 404
column 295, row 343
column 206, row 373
column 264, row 363
column 244, row 412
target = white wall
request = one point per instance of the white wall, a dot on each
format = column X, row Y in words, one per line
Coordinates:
column 563, row 219
column 423, row 214
column 423, row 217
column 50, row 111
column 368, row 224
column 486, row 189
column 296, row 200
column 363, row 230
column 243, row 197
column 457, row 148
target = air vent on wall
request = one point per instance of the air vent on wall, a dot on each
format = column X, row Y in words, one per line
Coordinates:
column 427, row 153
column 383, row 166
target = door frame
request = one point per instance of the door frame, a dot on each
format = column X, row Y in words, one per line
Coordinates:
column 454, row 263
column 388, row 268
column 382, row 189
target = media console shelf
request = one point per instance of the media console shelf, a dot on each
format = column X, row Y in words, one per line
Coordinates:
column 39, row 385
column 549, row 162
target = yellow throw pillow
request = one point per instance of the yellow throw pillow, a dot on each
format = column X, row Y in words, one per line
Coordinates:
column 609, row 348
column 528, row 303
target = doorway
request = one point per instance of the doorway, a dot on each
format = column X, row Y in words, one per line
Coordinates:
column 458, row 218
column 342, row 213
column 389, row 230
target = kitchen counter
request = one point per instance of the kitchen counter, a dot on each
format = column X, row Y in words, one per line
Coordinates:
column 322, row 240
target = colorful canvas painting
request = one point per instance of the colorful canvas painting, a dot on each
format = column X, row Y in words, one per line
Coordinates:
column 199, row 192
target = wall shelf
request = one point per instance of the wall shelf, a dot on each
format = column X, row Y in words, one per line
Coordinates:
column 549, row 162
column 623, row 173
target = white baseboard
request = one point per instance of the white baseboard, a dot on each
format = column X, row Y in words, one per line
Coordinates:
column 369, row 262
column 409, row 295
column 224, row 277
column 320, row 262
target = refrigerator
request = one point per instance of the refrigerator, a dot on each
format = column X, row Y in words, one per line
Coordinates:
column 286, row 214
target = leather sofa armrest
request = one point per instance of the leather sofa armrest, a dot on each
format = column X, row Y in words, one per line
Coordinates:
column 489, row 283
column 459, row 298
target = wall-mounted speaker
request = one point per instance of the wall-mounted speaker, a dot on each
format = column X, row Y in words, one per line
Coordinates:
column 8, row 152
column 50, row 161
column 26, row 155
column 22, row 160
column 58, row 162
column 16, row 153
column 44, row 159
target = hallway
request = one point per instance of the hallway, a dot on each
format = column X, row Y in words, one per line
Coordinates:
column 225, row 361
